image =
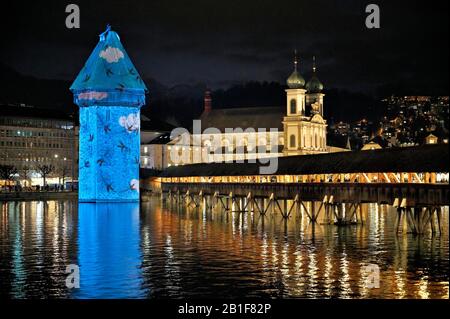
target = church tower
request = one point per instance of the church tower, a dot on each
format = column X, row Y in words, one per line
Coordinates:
column 314, row 91
column 304, row 126
column 110, row 94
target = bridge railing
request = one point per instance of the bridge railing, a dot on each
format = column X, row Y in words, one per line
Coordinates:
column 379, row 177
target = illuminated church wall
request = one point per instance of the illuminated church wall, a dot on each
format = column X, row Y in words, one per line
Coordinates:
column 110, row 93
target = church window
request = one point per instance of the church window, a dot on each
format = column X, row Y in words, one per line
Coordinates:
column 292, row 141
column 293, row 106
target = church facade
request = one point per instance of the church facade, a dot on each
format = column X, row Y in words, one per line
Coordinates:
column 305, row 130
column 251, row 133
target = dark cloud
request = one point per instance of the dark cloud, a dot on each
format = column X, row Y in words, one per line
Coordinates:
column 220, row 42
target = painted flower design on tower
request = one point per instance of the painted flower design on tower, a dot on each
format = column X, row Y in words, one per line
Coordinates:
column 131, row 122
column 134, row 185
column 111, row 55
column 93, row 95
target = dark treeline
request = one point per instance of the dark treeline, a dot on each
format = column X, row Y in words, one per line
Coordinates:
column 180, row 104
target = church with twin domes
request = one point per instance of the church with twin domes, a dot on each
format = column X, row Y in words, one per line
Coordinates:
column 297, row 128
column 305, row 130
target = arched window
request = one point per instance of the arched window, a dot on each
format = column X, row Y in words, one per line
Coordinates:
column 293, row 106
column 292, row 141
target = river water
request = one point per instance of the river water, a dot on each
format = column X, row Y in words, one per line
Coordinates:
column 160, row 250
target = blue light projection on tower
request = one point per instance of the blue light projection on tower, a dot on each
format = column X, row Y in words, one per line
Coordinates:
column 110, row 93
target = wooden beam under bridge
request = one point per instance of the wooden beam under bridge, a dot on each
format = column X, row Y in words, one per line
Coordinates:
column 381, row 193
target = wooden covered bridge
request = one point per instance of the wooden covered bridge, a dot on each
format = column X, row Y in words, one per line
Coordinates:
column 415, row 180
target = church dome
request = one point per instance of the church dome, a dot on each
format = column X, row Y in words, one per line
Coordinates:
column 314, row 85
column 295, row 80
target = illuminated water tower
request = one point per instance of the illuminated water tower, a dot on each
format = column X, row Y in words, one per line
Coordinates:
column 110, row 93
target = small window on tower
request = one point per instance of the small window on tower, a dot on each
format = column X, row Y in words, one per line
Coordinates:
column 292, row 140
column 293, row 106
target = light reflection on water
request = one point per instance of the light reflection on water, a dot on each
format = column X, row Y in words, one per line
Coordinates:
column 160, row 250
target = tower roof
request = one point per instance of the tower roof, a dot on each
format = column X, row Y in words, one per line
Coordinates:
column 314, row 85
column 108, row 68
column 295, row 80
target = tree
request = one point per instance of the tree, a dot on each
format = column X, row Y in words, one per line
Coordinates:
column 25, row 173
column 64, row 173
column 7, row 172
column 45, row 170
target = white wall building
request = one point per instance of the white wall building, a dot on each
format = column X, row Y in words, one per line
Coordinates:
column 234, row 134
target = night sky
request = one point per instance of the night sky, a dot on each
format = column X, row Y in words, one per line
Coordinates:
column 220, row 43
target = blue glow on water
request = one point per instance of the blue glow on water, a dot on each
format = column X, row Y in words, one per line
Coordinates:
column 109, row 256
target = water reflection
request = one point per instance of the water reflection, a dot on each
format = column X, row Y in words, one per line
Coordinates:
column 109, row 256
column 37, row 241
column 162, row 249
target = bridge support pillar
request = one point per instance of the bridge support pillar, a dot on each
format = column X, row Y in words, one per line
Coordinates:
column 399, row 219
column 215, row 199
column 342, row 214
column 439, row 218
column 310, row 213
column 270, row 204
column 339, row 214
column 418, row 218
column 329, row 213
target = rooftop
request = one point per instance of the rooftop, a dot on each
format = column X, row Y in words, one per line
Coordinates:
column 22, row 111
column 153, row 124
column 426, row 158
column 244, row 117
column 108, row 68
